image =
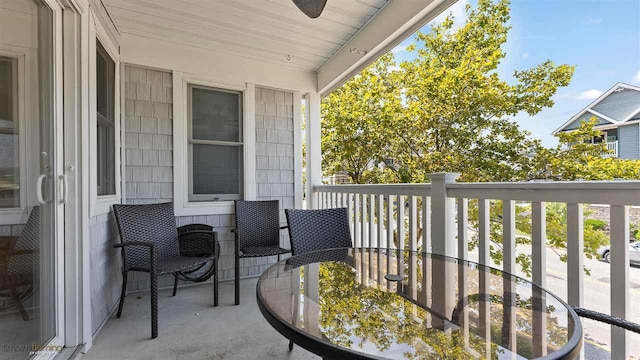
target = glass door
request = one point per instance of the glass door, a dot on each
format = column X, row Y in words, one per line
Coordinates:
column 31, row 281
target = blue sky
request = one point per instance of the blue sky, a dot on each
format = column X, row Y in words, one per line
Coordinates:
column 600, row 37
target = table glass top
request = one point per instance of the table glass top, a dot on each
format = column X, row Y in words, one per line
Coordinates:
column 442, row 308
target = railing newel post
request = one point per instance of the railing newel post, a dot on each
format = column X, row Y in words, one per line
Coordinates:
column 443, row 220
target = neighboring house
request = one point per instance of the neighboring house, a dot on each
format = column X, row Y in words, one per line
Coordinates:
column 618, row 115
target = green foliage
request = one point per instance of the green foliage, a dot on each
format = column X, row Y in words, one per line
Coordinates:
column 448, row 110
column 595, row 224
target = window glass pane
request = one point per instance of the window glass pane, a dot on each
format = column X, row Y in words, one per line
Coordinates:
column 215, row 115
column 9, row 140
column 105, row 85
column 216, row 170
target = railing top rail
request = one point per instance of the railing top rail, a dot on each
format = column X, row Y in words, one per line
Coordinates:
column 380, row 189
column 616, row 192
column 620, row 192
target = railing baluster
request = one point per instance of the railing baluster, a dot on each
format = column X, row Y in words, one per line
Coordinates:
column 413, row 245
column 363, row 219
column 380, row 235
column 350, row 212
column 389, row 209
column 356, row 220
column 575, row 254
column 372, row 224
column 426, row 224
column 372, row 230
column 484, row 259
column 509, row 266
column 463, row 271
column 539, row 271
column 400, row 232
column 463, row 228
column 619, row 217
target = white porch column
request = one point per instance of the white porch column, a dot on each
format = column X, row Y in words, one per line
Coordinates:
column 443, row 215
column 314, row 154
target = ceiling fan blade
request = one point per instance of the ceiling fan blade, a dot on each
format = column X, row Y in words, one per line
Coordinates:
column 311, row 8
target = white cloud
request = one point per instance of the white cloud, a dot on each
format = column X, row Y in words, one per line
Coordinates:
column 589, row 95
column 592, row 21
column 636, row 79
column 525, row 56
column 395, row 68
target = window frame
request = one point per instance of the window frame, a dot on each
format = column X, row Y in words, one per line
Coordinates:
column 195, row 198
column 182, row 205
column 27, row 128
column 101, row 204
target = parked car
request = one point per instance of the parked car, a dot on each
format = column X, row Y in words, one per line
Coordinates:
column 604, row 253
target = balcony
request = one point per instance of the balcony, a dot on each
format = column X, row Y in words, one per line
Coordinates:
column 436, row 218
column 612, row 149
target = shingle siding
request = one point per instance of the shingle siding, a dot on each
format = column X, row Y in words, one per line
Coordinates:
column 274, row 150
column 105, row 268
column 629, row 141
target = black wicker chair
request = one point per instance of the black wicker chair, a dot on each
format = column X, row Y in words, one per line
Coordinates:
column 257, row 233
column 18, row 261
column 311, row 230
column 149, row 242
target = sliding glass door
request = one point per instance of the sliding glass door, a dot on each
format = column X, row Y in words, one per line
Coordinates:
column 31, row 187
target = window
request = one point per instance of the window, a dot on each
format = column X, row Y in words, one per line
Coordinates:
column 214, row 144
column 9, row 139
column 105, row 134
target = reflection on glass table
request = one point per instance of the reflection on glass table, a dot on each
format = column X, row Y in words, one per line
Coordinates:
column 339, row 304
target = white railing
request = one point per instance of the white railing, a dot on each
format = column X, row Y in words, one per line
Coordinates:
column 612, row 148
column 434, row 218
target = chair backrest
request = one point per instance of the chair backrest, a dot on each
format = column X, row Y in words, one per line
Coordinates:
column 154, row 223
column 258, row 223
column 29, row 240
column 311, row 230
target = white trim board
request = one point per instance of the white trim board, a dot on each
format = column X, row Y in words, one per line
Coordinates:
column 97, row 32
column 182, row 205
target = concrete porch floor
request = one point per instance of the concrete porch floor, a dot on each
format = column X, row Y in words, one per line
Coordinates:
column 191, row 328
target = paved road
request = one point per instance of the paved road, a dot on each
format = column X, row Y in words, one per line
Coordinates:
column 596, row 297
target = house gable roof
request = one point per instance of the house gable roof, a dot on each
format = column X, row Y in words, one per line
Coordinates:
column 619, row 104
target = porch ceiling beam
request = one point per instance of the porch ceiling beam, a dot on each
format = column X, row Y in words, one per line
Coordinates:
column 395, row 22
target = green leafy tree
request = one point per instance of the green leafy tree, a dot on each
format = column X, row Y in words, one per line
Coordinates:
column 447, row 109
column 352, row 140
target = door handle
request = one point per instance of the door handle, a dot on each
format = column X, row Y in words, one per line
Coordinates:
column 39, row 183
column 65, row 189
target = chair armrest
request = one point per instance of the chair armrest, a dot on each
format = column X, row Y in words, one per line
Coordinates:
column 153, row 256
column 134, row 243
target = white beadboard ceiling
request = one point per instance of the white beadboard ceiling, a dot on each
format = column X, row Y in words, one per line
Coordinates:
column 268, row 30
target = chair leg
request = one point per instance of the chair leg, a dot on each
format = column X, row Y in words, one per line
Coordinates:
column 215, row 282
column 154, row 304
column 16, row 299
column 290, row 345
column 175, row 284
column 237, row 273
column 123, row 292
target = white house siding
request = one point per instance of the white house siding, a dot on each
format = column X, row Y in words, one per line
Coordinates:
column 149, row 155
column 105, row 268
column 619, row 104
column 629, row 141
column 585, row 117
column 275, row 153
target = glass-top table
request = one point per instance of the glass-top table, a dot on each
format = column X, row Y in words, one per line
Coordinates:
column 377, row 304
